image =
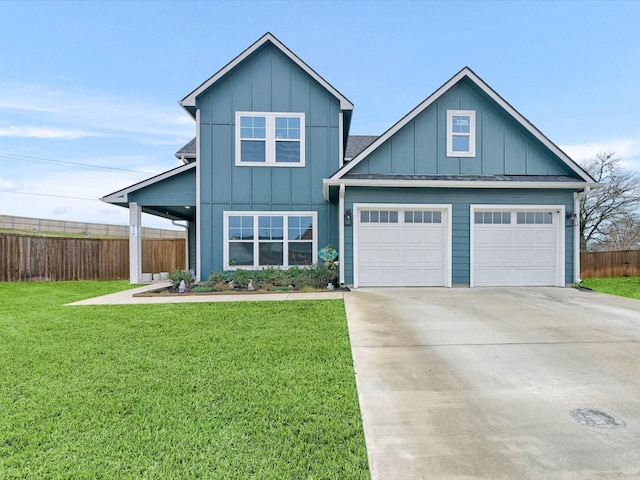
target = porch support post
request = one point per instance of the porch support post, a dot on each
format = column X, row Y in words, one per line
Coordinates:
column 135, row 243
column 341, row 231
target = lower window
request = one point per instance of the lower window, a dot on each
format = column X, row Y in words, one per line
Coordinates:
column 270, row 239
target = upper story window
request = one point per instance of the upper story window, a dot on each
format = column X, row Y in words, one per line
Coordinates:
column 461, row 133
column 270, row 139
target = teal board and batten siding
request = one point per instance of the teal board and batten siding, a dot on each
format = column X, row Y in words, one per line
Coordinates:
column 503, row 146
column 176, row 191
column 267, row 81
column 461, row 200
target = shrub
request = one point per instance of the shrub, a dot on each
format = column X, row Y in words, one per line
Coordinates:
column 217, row 277
column 179, row 275
column 202, row 288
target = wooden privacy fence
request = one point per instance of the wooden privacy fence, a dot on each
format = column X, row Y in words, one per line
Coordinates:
column 610, row 264
column 26, row 258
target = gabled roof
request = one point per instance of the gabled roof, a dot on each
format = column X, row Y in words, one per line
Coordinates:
column 121, row 196
column 466, row 72
column 188, row 152
column 356, row 144
column 189, row 102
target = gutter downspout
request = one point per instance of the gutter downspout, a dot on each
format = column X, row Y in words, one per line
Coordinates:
column 577, row 197
column 341, row 230
column 186, row 236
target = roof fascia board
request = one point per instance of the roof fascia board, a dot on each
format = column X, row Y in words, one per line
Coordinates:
column 122, row 195
column 466, row 72
column 190, row 100
column 361, row 182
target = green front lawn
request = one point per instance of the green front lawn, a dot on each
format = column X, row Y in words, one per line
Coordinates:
column 622, row 286
column 224, row 390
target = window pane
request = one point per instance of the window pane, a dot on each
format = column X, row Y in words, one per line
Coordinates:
column 437, row 217
column 246, row 122
column 301, row 228
column 270, row 253
column 506, row 217
column 427, row 217
column 241, row 253
column 393, row 217
column 408, row 217
column 240, row 228
column 384, row 217
column 270, row 228
column 497, row 217
column 548, row 218
column 478, row 217
column 374, row 217
column 461, row 124
column 288, row 152
column 417, row 217
column 488, row 218
column 460, row 143
column 520, row 217
column 253, row 151
column 300, row 253
column 259, row 122
column 530, row 217
column 364, row 216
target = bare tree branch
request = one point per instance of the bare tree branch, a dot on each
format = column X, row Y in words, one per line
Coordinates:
column 604, row 208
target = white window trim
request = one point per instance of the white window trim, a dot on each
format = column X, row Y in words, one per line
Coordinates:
column 256, row 240
column 270, row 140
column 472, row 133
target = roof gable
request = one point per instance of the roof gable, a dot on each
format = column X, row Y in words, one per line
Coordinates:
column 403, row 138
column 189, row 102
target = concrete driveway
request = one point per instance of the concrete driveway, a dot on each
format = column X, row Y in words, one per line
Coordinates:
column 481, row 383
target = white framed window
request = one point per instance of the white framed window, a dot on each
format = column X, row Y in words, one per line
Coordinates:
column 275, row 139
column 255, row 240
column 461, row 133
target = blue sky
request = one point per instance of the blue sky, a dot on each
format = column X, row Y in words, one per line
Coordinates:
column 97, row 83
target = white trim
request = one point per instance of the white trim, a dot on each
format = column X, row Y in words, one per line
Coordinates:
column 468, row 73
column 198, row 194
column 404, row 206
column 341, row 230
column 135, row 243
column 472, row 133
column 256, row 240
column 122, row 196
column 577, row 197
column 362, row 182
column 340, row 139
column 190, row 99
column 270, row 139
column 560, row 247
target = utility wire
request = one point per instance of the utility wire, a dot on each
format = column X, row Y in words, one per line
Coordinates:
column 77, row 164
column 45, row 195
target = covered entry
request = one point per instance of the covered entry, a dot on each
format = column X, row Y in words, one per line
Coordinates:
column 402, row 245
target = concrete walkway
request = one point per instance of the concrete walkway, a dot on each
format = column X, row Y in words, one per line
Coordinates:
column 127, row 297
column 488, row 383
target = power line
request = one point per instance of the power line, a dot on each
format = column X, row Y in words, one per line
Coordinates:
column 76, row 164
column 45, row 195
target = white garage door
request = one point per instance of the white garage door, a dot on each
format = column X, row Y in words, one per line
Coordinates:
column 402, row 246
column 516, row 248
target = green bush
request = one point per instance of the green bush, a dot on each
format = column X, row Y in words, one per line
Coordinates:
column 203, row 288
column 217, row 277
column 315, row 277
column 178, row 275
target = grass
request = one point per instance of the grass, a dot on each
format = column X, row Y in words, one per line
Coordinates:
column 224, row 390
column 621, row 286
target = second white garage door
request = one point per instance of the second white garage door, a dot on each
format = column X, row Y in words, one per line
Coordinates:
column 402, row 246
column 517, row 246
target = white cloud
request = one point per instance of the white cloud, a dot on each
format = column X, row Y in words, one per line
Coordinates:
column 627, row 150
column 142, row 120
column 45, row 132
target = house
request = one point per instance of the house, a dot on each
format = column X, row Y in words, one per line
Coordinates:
column 463, row 190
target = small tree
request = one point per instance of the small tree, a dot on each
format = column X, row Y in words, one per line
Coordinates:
column 604, row 208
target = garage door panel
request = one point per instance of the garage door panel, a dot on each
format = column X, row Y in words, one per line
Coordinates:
column 403, row 254
column 512, row 253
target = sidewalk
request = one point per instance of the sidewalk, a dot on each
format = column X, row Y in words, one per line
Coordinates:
column 126, row 297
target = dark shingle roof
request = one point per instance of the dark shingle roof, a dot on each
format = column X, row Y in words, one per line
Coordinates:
column 188, row 151
column 357, row 143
